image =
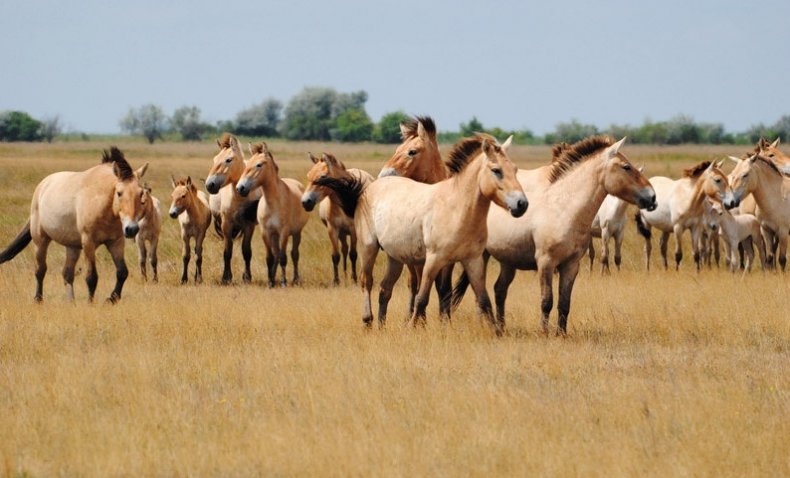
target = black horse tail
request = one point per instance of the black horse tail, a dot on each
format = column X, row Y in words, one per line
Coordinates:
column 640, row 226
column 459, row 290
column 20, row 242
column 218, row 225
column 348, row 191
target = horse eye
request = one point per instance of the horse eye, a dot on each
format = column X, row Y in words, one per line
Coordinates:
column 229, row 160
column 718, row 180
column 627, row 167
column 259, row 165
column 323, row 176
column 412, row 152
column 744, row 175
column 497, row 172
column 118, row 193
column 771, row 155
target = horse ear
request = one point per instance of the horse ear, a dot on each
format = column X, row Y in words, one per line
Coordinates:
column 219, row 145
column 189, row 181
column 172, row 181
column 116, row 170
column 404, row 131
column 329, row 161
column 641, row 168
column 710, row 166
column 507, row 143
column 421, row 131
column 249, row 147
column 234, row 145
column 718, row 165
column 141, row 171
column 734, row 159
column 486, row 147
column 761, row 143
column 775, row 143
column 313, row 158
column 612, row 150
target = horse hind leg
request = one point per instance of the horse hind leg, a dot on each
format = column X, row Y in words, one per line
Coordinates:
column 388, row 281
column 155, row 259
column 546, row 275
column 506, row 275
column 335, row 240
column 199, row 258
column 444, row 289
column 605, row 250
column 476, row 272
column 91, row 276
column 42, row 245
column 618, row 247
column 664, row 246
column 568, row 273
column 591, row 251
column 72, row 255
column 246, row 252
column 352, row 255
column 185, row 256
column 283, row 258
column 295, row 241
column 343, row 239
column 121, row 272
column 142, row 255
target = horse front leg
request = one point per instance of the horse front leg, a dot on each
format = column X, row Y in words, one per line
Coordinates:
column 605, row 249
column 142, row 256
column 782, row 237
column 121, row 272
column 444, row 289
column 334, row 240
column 696, row 240
column 475, row 269
column 568, row 273
column 618, row 247
column 246, row 252
column 199, row 257
column 271, row 257
column 678, row 230
column 296, row 240
column 663, row 244
column 591, row 252
column 42, row 245
column 506, row 275
column 155, row 258
column 91, row 276
column 388, row 281
column 72, row 255
column 430, row 270
column 545, row 275
column 414, row 283
column 227, row 236
column 768, row 240
column 283, row 257
column 185, row 259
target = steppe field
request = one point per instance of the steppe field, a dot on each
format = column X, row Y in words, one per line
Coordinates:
column 662, row 373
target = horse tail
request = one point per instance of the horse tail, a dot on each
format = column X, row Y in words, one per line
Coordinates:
column 348, row 191
column 218, row 225
column 640, row 226
column 459, row 290
column 16, row 246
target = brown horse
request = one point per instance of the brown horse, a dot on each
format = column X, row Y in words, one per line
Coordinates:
column 191, row 207
column 554, row 234
column 280, row 212
column 236, row 212
column 432, row 225
column 418, row 158
column 83, row 210
column 339, row 225
column 148, row 236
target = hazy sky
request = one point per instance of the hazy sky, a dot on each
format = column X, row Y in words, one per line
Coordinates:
column 514, row 64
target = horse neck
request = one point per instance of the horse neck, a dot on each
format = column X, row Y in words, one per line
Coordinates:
column 768, row 193
column 195, row 206
column 469, row 199
column 580, row 193
column 270, row 184
column 433, row 171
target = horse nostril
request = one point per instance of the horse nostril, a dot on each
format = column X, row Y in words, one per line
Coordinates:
column 131, row 231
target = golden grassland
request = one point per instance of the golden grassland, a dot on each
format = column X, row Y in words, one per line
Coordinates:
column 666, row 373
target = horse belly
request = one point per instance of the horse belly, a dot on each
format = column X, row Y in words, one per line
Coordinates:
column 56, row 211
column 400, row 235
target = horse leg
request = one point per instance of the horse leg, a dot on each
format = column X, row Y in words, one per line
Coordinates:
column 334, row 240
column 605, row 250
column 271, row 258
column 695, row 243
column 343, row 238
column 475, row 270
column 42, row 246
column 91, row 276
column 199, row 257
column 185, row 258
column 414, row 283
column 295, row 241
column 678, row 230
column 283, row 237
column 369, row 251
column 591, row 251
column 227, row 274
column 749, row 249
column 391, row 275
column 430, row 269
column 142, row 256
column 501, row 286
column 648, row 248
column 352, row 255
column 618, row 247
column 545, row 275
column 663, row 244
column 768, row 240
column 121, row 272
column 716, row 248
column 444, row 289
column 568, row 273
column 155, row 258
column 72, row 255
column 246, row 251
column 782, row 237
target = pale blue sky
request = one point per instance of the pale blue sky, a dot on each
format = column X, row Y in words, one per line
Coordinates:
column 515, row 64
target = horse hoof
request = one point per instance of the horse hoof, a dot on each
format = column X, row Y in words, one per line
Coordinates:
column 112, row 300
column 38, row 299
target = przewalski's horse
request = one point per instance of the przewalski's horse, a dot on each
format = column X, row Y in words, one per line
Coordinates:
column 681, row 206
column 760, row 177
column 280, row 213
column 237, row 213
column 150, row 228
column 83, row 210
column 734, row 230
column 191, row 207
column 418, row 158
column 432, row 225
column 339, row 225
column 554, row 234
column 774, row 154
column 609, row 222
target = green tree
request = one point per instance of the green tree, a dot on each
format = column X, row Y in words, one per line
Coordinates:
column 571, row 132
column 147, row 120
column 50, row 128
column 387, row 131
column 186, row 120
column 259, row 120
column 352, row 125
column 312, row 113
column 473, row 126
column 19, row 126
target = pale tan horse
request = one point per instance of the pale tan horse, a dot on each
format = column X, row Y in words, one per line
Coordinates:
column 280, row 213
column 83, row 210
column 147, row 238
column 339, row 226
column 432, row 225
column 760, row 177
column 418, row 158
column 681, row 206
column 554, row 233
column 237, row 213
column 191, row 207
column 744, row 230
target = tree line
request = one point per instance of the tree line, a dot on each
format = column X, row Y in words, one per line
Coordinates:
column 324, row 114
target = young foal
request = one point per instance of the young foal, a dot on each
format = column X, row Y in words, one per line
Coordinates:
column 741, row 229
column 681, row 206
column 150, row 227
column 554, row 233
column 339, row 225
column 191, row 207
column 280, row 213
column 237, row 212
column 83, row 210
column 432, row 225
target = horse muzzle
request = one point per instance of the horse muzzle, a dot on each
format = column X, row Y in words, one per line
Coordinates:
column 130, row 230
column 647, row 200
column 517, row 204
column 214, row 183
column 243, row 188
column 388, row 172
column 174, row 212
column 308, row 202
column 730, row 201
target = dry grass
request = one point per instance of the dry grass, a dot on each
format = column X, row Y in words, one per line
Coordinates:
column 663, row 373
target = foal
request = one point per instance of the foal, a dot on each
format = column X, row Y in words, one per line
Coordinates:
column 191, row 207
column 150, row 228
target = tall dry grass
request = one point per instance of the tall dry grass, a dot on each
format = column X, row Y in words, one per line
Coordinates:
column 663, row 373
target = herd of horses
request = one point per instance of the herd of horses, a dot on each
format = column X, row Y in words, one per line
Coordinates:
column 425, row 213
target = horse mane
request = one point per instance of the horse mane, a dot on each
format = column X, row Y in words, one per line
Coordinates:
column 114, row 155
column 466, row 150
column 224, row 141
column 411, row 126
column 696, row 171
column 567, row 156
column 261, row 148
column 347, row 189
column 769, row 163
